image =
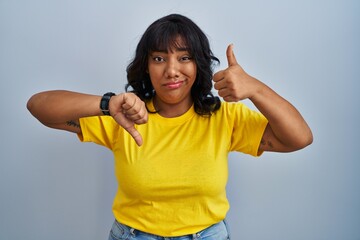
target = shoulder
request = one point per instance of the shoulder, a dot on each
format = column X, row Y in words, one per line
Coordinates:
column 230, row 108
column 97, row 122
column 238, row 113
column 102, row 130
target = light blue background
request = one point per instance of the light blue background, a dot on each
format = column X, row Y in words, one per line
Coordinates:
column 53, row 187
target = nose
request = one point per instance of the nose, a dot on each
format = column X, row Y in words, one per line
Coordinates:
column 172, row 69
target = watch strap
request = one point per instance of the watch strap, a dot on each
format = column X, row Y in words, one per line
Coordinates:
column 104, row 103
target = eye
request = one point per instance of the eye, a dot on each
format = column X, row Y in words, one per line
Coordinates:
column 158, row 59
column 186, row 58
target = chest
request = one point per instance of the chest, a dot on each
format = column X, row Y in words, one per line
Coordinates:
column 173, row 159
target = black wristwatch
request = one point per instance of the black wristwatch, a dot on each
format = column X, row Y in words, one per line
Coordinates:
column 104, row 103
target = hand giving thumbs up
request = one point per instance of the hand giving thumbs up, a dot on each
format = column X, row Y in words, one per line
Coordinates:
column 233, row 83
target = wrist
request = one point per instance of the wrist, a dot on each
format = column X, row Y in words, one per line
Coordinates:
column 104, row 103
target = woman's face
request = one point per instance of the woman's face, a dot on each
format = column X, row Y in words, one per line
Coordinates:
column 172, row 73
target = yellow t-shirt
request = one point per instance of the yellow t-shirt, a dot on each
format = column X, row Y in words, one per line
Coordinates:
column 174, row 184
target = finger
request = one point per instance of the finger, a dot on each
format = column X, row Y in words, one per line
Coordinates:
column 220, row 85
column 218, row 76
column 129, row 103
column 224, row 92
column 231, row 56
column 137, row 113
column 227, row 95
column 138, row 118
column 128, row 125
column 135, row 135
column 229, row 99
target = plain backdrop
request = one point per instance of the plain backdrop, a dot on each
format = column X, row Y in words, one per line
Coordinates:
column 54, row 187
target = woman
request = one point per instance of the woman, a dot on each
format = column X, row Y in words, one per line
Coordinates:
column 171, row 137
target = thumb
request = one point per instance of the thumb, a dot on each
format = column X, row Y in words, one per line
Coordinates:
column 231, row 56
column 128, row 125
column 135, row 135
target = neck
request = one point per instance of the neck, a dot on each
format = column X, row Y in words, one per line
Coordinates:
column 170, row 110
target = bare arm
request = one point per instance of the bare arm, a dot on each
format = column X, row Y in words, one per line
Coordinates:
column 287, row 130
column 62, row 110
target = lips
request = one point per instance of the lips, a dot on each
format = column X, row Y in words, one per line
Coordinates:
column 174, row 85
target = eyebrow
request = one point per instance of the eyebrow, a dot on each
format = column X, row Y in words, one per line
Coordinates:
column 177, row 49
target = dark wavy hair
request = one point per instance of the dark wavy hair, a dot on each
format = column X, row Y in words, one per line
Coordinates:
column 162, row 35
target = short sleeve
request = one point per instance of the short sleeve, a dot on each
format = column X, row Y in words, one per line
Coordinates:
column 248, row 127
column 101, row 130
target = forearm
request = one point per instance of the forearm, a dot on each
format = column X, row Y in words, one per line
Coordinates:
column 285, row 121
column 56, row 107
column 287, row 130
column 62, row 110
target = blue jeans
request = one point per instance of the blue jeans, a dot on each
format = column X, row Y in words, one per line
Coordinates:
column 218, row 231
